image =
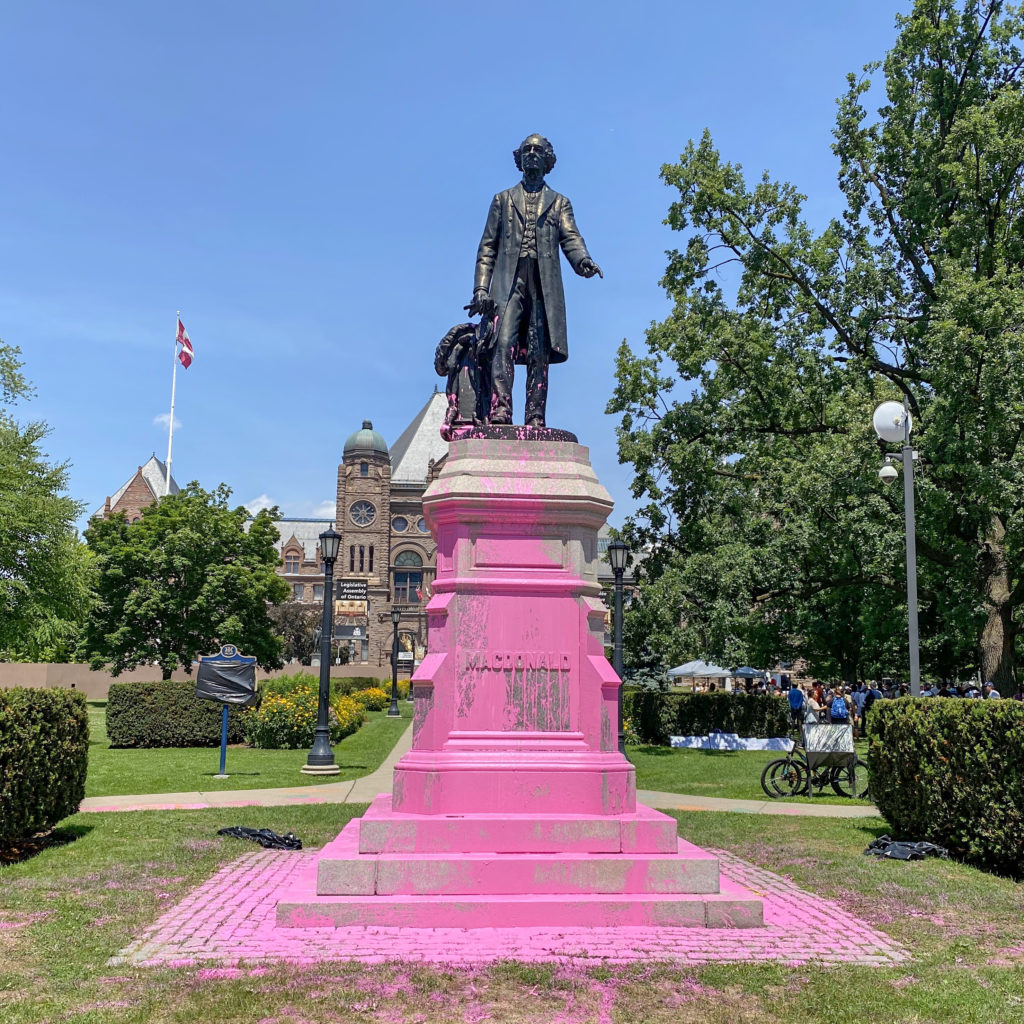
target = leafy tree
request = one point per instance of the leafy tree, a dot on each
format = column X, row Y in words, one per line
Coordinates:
column 296, row 624
column 181, row 581
column 769, row 534
column 43, row 566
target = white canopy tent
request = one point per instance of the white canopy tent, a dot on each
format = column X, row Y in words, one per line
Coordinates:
column 699, row 670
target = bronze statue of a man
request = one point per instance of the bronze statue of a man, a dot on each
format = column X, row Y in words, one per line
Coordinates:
column 519, row 278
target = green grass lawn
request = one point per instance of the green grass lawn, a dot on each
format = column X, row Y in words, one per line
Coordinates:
column 66, row 911
column 187, row 769
column 735, row 774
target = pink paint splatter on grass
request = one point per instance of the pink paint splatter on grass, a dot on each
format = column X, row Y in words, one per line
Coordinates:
column 16, row 919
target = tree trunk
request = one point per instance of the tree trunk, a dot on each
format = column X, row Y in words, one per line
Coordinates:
column 999, row 634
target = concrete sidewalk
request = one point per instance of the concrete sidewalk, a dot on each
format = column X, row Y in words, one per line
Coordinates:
column 352, row 791
column 679, row 802
column 362, row 791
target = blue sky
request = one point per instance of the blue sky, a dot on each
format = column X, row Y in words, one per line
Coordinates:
column 307, row 183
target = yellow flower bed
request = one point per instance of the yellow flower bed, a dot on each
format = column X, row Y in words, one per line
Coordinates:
column 288, row 720
column 373, row 698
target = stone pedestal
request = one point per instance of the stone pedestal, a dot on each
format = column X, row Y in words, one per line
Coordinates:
column 514, row 805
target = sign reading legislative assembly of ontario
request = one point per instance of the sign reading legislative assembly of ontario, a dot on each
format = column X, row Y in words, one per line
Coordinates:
column 351, row 590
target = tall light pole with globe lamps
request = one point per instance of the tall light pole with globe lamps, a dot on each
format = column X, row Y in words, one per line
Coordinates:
column 321, row 757
column 396, row 617
column 618, row 555
column 893, row 423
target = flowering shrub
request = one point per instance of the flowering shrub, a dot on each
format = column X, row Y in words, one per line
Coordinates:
column 288, row 720
column 373, row 698
column 630, row 734
column 350, row 715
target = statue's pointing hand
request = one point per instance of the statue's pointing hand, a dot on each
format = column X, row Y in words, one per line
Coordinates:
column 588, row 268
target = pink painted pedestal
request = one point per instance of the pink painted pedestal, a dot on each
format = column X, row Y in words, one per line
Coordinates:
column 514, row 807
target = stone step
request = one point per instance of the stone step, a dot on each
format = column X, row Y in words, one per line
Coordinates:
column 343, row 870
column 643, row 831
column 733, row 907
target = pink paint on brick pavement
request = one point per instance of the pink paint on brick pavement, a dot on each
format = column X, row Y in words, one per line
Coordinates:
column 148, row 807
column 514, row 806
column 229, row 924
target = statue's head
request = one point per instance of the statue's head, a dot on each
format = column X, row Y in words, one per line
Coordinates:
column 534, row 144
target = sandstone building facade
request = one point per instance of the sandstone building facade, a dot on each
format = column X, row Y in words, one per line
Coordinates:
column 384, row 541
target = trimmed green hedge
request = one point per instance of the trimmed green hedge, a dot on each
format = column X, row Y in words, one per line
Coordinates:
column 44, row 749
column 167, row 714
column 952, row 772
column 655, row 716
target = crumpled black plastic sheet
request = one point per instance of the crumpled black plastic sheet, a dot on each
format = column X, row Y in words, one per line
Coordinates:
column 886, row 846
column 267, row 839
column 226, row 682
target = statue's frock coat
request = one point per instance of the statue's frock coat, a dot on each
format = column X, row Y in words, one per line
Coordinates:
column 498, row 255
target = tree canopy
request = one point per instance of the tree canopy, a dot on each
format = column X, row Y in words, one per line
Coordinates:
column 748, row 420
column 43, row 564
column 296, row 624
column 181, row 581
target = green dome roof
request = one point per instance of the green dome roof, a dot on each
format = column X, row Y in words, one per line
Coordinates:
column 366, row 440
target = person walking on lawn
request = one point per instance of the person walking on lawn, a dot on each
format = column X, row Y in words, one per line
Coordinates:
column 858, row 697
column 796, row 706
column 869, row 700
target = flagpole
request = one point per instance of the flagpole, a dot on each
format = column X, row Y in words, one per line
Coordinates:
column 170, row 425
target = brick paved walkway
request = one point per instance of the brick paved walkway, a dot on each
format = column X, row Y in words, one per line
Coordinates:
column 229, row 921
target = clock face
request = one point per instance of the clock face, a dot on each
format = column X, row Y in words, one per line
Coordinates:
column 363, row 513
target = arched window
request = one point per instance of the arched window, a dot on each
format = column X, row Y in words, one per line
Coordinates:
column 364, row 469
column 352, row 558
column 362, row 557
column 408, row 585
column 371, row 559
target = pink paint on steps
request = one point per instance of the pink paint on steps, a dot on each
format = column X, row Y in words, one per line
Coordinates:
column 231, row 922
column 514, row 805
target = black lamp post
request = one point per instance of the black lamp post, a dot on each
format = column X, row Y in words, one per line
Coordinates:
column 618, row 554
column 321, row 757
column 396, row 617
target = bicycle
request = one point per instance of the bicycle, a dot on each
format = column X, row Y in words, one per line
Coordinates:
column 791, row 776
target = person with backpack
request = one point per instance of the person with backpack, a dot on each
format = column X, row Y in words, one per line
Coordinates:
column 839, row 708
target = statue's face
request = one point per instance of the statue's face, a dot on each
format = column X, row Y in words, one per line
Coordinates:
column 532, row 154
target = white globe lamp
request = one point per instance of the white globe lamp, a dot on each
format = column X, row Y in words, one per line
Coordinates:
column 892, row 422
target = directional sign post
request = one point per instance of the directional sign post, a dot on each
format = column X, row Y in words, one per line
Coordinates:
column 230, row 678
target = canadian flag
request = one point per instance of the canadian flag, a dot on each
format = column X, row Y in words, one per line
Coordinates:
column 187, row 353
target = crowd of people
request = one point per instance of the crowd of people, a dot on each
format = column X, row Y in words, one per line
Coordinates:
column 843, row 705
column 818, row 702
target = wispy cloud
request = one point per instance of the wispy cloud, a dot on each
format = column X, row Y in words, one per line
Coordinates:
column 164, row 419
column 260, row 503
column 325, row 510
